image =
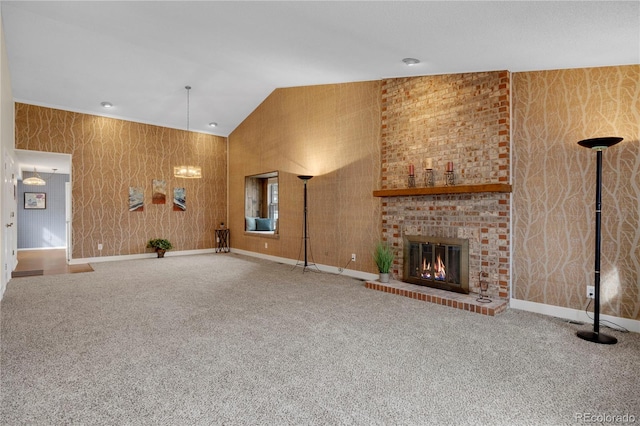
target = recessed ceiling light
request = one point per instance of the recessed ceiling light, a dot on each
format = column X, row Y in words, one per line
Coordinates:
column 106, row 104
column 411, row 61
column 213, row 124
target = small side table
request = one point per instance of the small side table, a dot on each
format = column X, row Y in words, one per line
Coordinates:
column 222, row 240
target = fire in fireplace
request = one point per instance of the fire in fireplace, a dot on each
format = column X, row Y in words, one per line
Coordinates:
column 437, row 262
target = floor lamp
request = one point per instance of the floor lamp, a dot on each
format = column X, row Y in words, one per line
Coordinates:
column 305, row 179
column 599, row 145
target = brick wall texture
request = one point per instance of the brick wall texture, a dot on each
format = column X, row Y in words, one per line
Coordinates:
column 463, row 118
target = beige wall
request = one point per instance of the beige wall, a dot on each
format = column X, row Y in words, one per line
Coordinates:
column 554, row 187
column 8, row 235
column 109, row 156
column 333, row 133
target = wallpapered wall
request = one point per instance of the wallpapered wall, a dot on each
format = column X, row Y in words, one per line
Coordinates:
column 331, row 132
column 109, row 156
column 554, row 187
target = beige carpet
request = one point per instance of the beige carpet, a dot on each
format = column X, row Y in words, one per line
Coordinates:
column 226, row 339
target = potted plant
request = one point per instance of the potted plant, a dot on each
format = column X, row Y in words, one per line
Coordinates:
column 383, row 256
column 160, row 245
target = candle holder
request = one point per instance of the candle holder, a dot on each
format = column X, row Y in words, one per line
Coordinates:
column 411, row 181
column 484, row 287
column 428, row 177
column 449, row 179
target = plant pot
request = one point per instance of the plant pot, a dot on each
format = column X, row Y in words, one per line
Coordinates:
column 161, row 252
column 384, row 278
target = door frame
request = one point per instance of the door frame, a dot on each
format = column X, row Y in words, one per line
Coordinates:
column 9, row 220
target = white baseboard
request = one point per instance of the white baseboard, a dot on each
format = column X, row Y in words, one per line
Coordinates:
column 324, row 268
column 572, row 314
column 42, row 248
column 136, row 256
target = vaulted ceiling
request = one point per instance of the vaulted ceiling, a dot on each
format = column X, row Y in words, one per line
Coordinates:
column 140, row 55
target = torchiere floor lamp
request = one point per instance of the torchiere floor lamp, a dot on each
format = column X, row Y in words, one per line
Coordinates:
column 599, row 145
column 305, row 179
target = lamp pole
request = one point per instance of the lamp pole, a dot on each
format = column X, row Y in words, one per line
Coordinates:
column 599, row 145
column 305, row 179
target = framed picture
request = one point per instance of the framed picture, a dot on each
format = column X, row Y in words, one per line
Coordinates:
column 136, row 199
column 159, row 195
column 35, row 200
column 179, row 199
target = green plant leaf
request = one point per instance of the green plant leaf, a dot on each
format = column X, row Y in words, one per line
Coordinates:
column 383, row 256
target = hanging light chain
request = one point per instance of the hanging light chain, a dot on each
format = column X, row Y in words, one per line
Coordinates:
column 188, row 89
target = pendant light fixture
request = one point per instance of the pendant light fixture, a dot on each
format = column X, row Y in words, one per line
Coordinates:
column 34, row 180
column 187, row 172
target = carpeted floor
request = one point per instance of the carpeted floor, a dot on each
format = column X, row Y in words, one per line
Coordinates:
column 227, row 339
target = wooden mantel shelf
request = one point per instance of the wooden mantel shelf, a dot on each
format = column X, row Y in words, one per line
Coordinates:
column 439, row 190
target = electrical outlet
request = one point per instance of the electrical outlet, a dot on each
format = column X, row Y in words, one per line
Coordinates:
column 266, row 245
column 99, row 246
column 353, row 257
column 591, row 292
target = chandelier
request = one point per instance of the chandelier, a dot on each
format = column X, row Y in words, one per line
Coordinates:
column 187, row 172
column 192, row 172
column 34, row 180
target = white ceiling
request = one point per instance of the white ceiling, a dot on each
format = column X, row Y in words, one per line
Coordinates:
column 140, row 55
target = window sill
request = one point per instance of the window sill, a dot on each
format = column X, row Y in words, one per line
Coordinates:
column 264, row 234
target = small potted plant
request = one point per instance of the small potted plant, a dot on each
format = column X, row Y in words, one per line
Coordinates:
column 160, row 245
column 383, row 256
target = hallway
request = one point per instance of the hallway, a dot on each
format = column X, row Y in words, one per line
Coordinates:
column 45, row 262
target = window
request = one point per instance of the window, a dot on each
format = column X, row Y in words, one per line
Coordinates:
column 261, row 203
column 272, row 190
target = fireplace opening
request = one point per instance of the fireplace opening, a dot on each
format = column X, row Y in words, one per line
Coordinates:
column 437, row 262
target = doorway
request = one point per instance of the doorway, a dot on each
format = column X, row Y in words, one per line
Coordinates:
column 43, row 211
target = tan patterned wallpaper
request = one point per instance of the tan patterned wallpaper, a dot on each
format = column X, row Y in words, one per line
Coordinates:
column 330, row 132
column 554, row 187
column 109, row 156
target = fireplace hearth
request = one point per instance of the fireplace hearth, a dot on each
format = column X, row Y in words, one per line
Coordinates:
column 437, row 262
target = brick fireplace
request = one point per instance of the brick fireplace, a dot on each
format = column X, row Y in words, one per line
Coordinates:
column 432, row 121
column 481, row 219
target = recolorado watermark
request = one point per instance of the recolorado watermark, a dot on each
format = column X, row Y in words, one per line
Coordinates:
column 604, row 418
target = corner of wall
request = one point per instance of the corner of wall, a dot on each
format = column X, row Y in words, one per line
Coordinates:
column 7, row 142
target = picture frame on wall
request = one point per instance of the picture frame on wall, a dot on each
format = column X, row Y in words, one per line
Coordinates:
column 136, row 199
column 179, row 199
column 159, row 195
column 35, row 200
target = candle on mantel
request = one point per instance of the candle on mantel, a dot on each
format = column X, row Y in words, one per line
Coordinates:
column 449, row 166
column 428, row 163
column 411, row 170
